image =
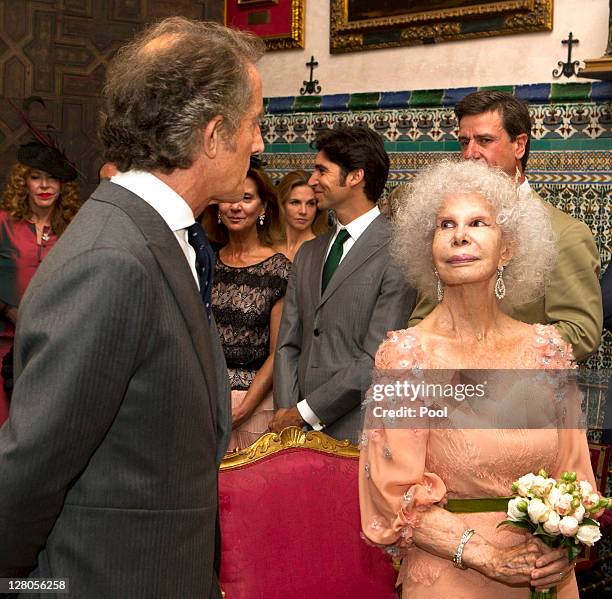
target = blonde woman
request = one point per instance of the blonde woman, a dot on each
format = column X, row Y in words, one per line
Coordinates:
column 298, row 207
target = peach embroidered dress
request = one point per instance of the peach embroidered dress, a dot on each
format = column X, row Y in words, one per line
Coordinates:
column 404, row 472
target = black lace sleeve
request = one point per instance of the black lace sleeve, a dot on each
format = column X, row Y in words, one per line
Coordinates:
column 242, row 300
column 279, row 269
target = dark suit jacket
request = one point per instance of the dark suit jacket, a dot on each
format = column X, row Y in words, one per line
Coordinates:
column 109, row 459
column 326, row 344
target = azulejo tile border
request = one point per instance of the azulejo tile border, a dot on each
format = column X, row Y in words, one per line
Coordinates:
column 552, row 123
column 555, row 167
column 543, row 93
column 586, row 195
column 579, row 182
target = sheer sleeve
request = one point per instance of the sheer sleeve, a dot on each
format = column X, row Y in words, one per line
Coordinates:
column 394, row 485
column 280, row 267
column 573, row 453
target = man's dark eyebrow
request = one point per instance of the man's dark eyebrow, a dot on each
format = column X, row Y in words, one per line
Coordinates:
column 320, row 167
column 477, row 136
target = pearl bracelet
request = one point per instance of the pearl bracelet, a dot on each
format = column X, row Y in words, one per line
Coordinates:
column 465, row 537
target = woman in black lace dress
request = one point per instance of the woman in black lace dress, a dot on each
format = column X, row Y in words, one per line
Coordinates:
column 247, row 296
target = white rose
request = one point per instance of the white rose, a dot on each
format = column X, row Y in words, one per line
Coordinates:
column 579, row 513
column 553, row 497
column 563, row 505
column 588, row 534
column 591, row 500
column 551, row 483
column 551, row 526
column 538, row 485
column 524, row 484
column 568, row 526
column 538, row 511
column 514, row 513
column 585, row 488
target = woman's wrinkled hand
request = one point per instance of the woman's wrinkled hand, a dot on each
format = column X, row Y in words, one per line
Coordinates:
column 512, row 565
column 551, row 568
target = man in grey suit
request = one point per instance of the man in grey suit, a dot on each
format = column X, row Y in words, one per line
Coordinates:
column 344, row 292
column 120, row 410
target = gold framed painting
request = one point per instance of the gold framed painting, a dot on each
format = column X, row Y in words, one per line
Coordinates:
column 280, row 23
column 370, row 24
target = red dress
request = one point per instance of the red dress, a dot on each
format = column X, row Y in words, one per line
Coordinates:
column 20, row 255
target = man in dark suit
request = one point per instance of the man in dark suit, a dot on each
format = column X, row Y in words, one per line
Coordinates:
column 120, row 412
column 344, row 292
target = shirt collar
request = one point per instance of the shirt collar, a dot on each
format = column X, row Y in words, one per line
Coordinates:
column 162, row 198
column 357, row 226
column 524, row 188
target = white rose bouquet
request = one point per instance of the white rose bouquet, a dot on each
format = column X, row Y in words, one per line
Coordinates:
column 559, row 512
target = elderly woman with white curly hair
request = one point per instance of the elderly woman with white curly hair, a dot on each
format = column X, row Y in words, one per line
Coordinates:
column 465, row 237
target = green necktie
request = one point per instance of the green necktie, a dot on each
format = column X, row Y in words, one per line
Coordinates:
column 333, row 259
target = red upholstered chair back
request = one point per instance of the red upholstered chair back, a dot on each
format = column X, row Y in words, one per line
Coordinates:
column 290, row 526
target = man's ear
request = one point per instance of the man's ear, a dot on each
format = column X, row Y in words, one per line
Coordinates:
column 521, row 145
column 355, row 177
column 211, row 136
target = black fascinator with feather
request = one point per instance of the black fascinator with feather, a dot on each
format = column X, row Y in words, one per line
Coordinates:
column 44, row 153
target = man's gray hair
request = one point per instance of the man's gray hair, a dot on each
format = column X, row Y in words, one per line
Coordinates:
column 523, row 219
column 167, row 84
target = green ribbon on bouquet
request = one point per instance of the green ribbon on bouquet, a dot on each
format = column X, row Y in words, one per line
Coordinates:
column 477, row 504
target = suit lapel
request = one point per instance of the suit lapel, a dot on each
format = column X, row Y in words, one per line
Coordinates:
column 168, row 254
column 318, row 259
column 370, row 241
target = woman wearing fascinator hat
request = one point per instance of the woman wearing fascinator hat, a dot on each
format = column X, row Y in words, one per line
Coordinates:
column 40, row 199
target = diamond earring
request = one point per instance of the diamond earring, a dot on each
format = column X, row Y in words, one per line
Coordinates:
column 439, row 287
column 500, row 286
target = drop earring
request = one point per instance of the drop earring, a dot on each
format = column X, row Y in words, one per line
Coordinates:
column 261, row 219
column 439, row 287
column 500, row 286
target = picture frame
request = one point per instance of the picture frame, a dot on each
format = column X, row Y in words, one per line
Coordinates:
column 357, row 25
column 280, row 23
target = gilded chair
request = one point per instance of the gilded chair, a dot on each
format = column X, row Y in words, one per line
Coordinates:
column 290, row 526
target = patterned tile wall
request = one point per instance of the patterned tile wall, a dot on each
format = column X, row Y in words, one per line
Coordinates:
column 570, row 163
column 58, row 50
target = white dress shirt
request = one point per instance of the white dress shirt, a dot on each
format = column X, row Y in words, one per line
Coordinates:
column 167, row 203
column 524, row 189
column 355, row 229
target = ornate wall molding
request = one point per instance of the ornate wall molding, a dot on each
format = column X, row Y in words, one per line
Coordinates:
column 387, row 28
